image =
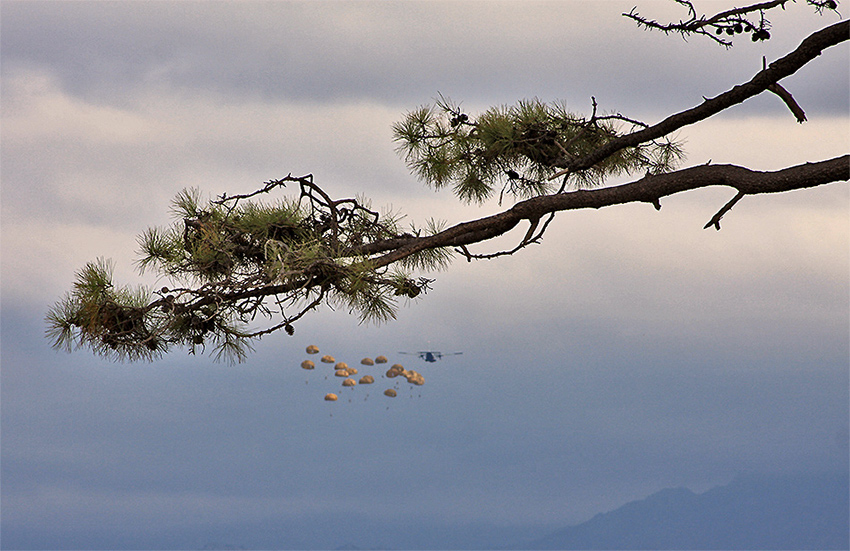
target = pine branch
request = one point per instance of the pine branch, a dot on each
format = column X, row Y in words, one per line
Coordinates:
column 808, row 50
column 235, row 260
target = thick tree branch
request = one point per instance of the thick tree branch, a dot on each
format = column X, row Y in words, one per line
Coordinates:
column 647, row 190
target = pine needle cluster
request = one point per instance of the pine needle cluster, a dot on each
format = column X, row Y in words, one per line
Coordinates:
column 518, row 149
column 231, row 260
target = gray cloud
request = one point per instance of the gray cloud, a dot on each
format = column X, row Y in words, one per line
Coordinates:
column 401, row 53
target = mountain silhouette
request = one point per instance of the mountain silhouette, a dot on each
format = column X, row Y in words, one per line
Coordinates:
column 751, row 512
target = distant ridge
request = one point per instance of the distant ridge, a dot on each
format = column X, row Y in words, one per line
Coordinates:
column 752, row 512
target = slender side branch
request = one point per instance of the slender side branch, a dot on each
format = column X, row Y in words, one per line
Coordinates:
column 715, row 220
column 809, row 49
column 530, row 238
column 729, row 22
column 723, row 26
column 789, row 100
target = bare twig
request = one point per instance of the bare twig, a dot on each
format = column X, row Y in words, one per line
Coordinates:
column 786, row 96
column 729, row 22
column 715, row 220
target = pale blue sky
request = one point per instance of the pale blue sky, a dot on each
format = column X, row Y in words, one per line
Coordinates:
column 630, row 352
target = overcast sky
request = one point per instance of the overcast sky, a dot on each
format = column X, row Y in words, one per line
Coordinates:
column 630, row 352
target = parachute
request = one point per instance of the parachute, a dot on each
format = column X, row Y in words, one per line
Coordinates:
column 414, row 378
column 344, row 371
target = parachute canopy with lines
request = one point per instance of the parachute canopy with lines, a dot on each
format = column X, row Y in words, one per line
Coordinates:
column 346, row 372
